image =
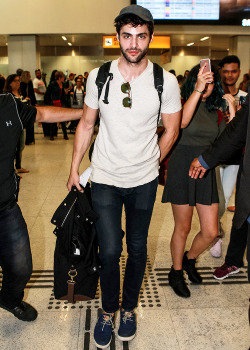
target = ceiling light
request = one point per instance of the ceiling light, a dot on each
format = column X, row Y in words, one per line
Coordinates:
column 190, row 44
column 205, row 38
column 64, row 38
column 69, row 44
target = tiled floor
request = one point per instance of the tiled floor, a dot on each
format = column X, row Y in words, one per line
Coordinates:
column 214, row 318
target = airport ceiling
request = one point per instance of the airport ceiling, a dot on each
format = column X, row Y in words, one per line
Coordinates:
column 215, row 42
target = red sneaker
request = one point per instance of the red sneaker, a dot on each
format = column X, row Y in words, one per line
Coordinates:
column 224, row 271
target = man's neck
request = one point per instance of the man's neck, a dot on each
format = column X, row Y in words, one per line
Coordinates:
column 230, row 89
column 131, row 71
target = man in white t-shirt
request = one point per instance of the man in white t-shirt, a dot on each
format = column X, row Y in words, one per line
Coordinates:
column 230, row 73
column 125, row 163
column 39, row 88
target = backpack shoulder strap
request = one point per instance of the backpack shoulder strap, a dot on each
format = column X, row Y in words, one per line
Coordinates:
column 158, row 81
column 102, row 76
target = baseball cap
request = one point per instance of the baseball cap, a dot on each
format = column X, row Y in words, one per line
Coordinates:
column 72, row 74
column 137, row 10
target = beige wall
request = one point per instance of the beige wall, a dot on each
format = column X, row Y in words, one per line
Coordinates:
column 59, row 16
column 82, row 16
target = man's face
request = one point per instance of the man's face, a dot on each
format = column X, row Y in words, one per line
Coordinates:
column 38, row 74
column 134, row 42
column 230, row 73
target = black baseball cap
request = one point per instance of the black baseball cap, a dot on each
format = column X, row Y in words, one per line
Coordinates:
column 137, row 10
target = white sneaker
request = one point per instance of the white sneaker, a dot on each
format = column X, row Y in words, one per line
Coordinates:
column 215, row 251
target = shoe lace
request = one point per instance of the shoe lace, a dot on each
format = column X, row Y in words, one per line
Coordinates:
column 128, row 316
column 106, row 320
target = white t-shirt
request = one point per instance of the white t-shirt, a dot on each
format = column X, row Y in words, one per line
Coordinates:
column 39, row 84
column 237, row 96
column 126, row 152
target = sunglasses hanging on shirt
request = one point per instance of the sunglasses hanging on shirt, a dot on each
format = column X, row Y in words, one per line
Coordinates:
column 126, row 89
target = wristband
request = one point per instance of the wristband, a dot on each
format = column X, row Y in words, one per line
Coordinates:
column 201, row 92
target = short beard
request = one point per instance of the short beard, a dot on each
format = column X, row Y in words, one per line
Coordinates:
column 138, row 58
column 232, row 84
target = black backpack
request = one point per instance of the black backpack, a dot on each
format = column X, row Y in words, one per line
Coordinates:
column 104, row 74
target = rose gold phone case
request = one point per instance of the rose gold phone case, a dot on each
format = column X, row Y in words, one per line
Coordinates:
column 206, row 61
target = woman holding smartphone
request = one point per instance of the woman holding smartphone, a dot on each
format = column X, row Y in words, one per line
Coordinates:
column 202, row 93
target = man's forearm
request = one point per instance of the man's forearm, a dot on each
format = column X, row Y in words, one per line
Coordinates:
column 50, row 114
column 82, row 142
column 167, row 141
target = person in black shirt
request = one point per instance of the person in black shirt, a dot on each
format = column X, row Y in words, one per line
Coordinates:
column 15, row 254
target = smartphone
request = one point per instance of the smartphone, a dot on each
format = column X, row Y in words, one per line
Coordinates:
column 242, row 99
column 206, row 61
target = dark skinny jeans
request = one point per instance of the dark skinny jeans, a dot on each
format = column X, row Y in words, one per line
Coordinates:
column 15, row 256
column 108, row 202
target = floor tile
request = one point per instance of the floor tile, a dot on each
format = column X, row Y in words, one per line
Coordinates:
column 212, row 329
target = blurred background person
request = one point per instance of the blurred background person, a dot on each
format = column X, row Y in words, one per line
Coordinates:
column 40, row 89
column 56, row 96
column 50, row 129
column 19, row 71
column 180, row 78
column 44, row 75
column 172, row 71
column 245, row 81
column 186, row 73
column 77, row 95
column 69, row 85
column 76, row 101
column 27, row 90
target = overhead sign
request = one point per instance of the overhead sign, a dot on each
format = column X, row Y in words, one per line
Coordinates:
column 159, row 42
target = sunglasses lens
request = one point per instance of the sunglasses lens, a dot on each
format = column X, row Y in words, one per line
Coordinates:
column 125, row 88
column 127, row 102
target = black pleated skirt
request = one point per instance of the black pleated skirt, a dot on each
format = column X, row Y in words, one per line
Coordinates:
column 180, row 188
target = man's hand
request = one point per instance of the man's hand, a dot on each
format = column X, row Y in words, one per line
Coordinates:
column 74, row 180
column 231, row 108
column 196, row 169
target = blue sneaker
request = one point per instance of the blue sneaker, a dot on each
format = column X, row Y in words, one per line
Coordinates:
column 103, row 330
column 127, row 327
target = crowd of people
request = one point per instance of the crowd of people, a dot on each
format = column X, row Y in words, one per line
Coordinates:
column 197, row 111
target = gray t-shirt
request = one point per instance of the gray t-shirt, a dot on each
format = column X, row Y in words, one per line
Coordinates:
column 126, row 152
column 203, row 128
